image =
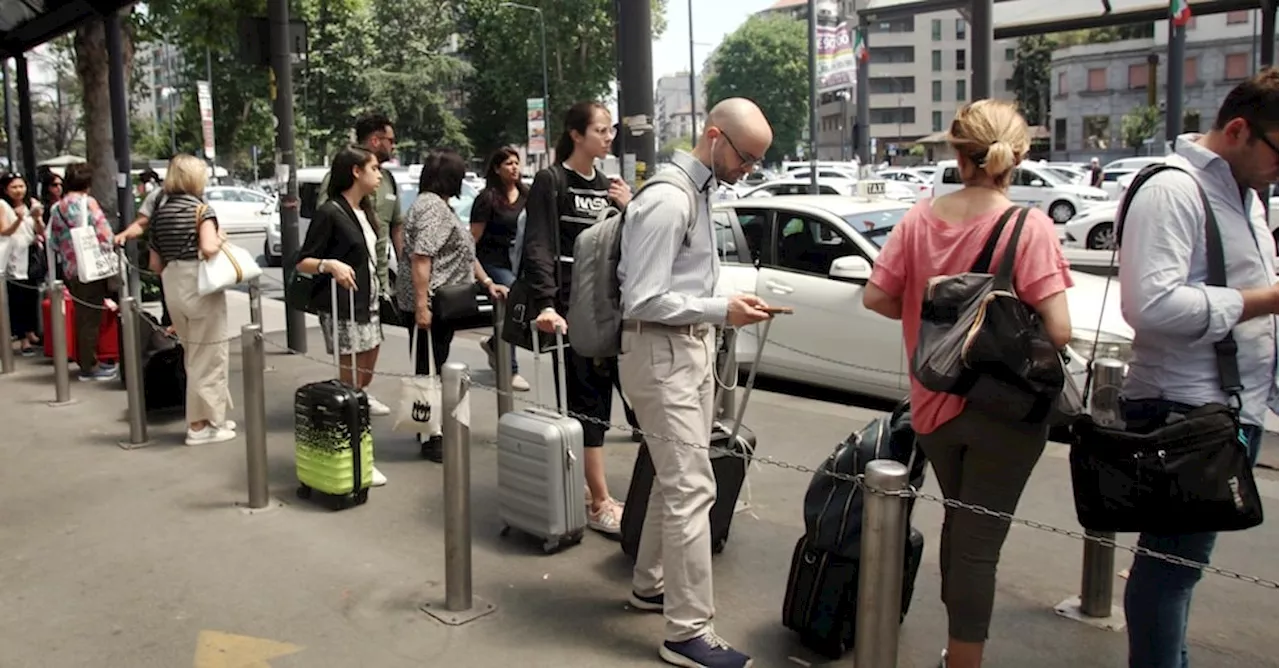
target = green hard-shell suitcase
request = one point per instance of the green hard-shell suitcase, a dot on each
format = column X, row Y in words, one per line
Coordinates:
column 331, row 425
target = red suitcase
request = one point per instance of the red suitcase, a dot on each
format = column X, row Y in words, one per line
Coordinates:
column 108, row 336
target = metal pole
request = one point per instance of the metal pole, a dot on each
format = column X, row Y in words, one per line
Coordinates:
column 1267, row 38
column 255, row 301
column 981, row 35
column 862, row 126
column 255, row 414
column 636, row 80
column 502, row 353
column 546, row 94
column 26, row 126
column 1098, row 574
column 457, row 487
column 727, row 404
column 6, row 328
column 61, row 365
column 278, row 16
column 120, row 142
column 693, row 86
column 884, row 544
column 11, row 143
column 132, row 359
column 813, row 96
column 1177, row 61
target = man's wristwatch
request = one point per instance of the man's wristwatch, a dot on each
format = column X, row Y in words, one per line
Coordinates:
column 320, row 267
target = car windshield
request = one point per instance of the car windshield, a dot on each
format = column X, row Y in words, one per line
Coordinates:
column 874, row 226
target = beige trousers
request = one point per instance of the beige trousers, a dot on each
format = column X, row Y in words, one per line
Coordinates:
column 667, row 376
column 199, row 322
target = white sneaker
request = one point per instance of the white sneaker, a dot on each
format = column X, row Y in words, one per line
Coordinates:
column 209, row 434
column 378, row 479
column 519, row 384
column 377, row 407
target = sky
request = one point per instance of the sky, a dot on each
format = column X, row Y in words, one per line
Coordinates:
column 712, row 20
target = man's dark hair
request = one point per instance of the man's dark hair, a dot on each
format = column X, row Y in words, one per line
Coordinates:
column 1254, row 100
column 442, row 173
column 369, row 123
column 77, row 178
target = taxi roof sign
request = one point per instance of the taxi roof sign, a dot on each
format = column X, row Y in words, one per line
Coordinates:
column 871, row 188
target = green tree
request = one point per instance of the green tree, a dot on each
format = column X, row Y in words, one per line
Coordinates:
column 504, row 48
column 90, row 48
column 1139, row 125
column 1031, row 77
column 764, row 60
column 678, row 144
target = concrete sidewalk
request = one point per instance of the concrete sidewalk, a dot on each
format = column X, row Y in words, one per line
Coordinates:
column 141, row 558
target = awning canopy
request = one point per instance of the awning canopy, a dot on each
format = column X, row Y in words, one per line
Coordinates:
column 26, row 24
column 1019, row 18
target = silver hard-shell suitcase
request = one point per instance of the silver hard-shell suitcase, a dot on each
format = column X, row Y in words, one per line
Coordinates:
column 540, row 475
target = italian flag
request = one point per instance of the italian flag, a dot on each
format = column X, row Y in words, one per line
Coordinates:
column 1180, row 12
column 860, row 44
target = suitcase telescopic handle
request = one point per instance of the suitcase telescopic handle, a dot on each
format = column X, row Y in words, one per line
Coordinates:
column 333, row 311
column 751, row 383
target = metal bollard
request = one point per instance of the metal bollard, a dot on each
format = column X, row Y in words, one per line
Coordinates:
column 884, row 544
column 6, row 328
column 255, row 414
column 61, row 365
column 132, row 359
column 1097, row 573
column 726, row 404
column 255, row 301
column 460, row 606
column 502, row 354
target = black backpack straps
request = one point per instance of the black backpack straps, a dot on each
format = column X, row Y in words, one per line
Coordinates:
column 983, row 264
column 1224, row 351
column 1142, row 177
column 1004, row 275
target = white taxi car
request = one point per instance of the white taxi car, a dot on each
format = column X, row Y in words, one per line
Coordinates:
column 815, row 253
column 1031, row 186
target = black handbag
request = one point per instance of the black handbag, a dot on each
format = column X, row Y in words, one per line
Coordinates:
column 300, row 290
column 455, row 302
column 517, row 327
column 1193, row 474
column 978, row 340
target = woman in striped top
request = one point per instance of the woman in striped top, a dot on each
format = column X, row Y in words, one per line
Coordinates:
column 184, row 230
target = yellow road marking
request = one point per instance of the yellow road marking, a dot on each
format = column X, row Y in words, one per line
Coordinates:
column 215, row 649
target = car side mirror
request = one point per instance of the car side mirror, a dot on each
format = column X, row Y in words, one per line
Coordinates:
column 851, row 268
column 1038, row 183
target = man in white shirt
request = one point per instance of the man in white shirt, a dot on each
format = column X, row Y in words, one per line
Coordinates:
column 668, row 271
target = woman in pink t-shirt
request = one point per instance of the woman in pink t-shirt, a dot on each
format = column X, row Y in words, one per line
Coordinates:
column 977, row 460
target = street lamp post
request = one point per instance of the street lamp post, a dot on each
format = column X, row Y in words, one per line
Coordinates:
column 693, row 86
column 167, row 93
column 542, row 26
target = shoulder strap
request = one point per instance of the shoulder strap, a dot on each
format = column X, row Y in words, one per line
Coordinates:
column 983, row 263
column 1004, row 275
column 667, row 176
column 1140, row 178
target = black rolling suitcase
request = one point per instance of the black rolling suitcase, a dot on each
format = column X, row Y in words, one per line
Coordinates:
column 821, row 603
column 333, row 439
column 730, row 467
column 729, row 462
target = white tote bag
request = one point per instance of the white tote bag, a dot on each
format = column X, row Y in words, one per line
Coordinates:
column 93, row 262
column 232, row 265
column 420, row 397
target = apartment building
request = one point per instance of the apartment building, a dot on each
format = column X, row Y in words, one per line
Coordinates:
column 919, row 74
column 674, row 108
column 1095, row 85
column 160, row 65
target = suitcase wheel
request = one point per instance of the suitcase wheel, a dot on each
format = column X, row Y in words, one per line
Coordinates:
column 718, row 546
column 506, row 531
column 304, row 492
column 551, row 546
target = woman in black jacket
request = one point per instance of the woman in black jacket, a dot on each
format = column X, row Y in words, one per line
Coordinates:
column 565, row 199
column 340, row 243
column 495, row 221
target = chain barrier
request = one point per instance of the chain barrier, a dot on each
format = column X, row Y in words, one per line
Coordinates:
column 910, row 492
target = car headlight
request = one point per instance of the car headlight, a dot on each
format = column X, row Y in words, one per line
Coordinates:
column 1095, row 197
column 1109, row 345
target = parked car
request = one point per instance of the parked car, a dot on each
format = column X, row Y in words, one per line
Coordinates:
column 242, row 210
column 826, row 186
column 1031, row 186
column 1093, row 228
column 918, row 182
column 815, row 253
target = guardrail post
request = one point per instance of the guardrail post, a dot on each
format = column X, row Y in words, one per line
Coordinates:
column 253, row 365
column 884, row 545
column 255, row 301
column 61, row 365
column 6, row 328
column 726, row 404
column 131, row 359
column 502, row 355
column 460, row 606
column 1097, row 574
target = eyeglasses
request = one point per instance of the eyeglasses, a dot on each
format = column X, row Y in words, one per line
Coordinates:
column 389, row 140
column 747, row 159
column 1266, row 140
